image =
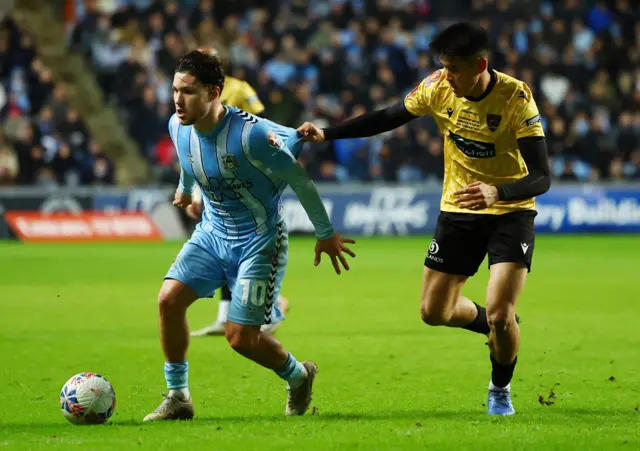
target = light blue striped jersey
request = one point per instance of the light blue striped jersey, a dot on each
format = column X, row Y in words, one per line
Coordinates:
column 242, row 167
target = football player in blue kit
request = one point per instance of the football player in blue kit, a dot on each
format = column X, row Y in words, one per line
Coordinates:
column 241, row 164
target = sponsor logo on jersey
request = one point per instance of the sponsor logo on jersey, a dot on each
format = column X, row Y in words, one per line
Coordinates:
column 473, row 148
column 493, row 121
column 275, row 141
column 449, row 111
column 228, row 188
column 534, row 120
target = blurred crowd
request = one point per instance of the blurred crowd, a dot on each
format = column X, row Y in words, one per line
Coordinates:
column 327, row 60
column 42, row 140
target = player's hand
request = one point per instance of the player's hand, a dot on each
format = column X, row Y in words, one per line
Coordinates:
column 194, row 210
column 181, row 200
column 477, row 196
column 334, row 247
column 311, row 133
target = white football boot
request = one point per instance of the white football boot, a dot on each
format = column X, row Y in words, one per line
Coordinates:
column 172, row 407
column 299, row 399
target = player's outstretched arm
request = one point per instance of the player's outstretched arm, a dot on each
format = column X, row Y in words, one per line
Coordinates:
column 328, row 241
column 366, row 125
column 269, row 152
column 416, row 104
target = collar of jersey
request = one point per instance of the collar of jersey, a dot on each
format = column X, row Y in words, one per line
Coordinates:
column 492, row 84
column 213, row 133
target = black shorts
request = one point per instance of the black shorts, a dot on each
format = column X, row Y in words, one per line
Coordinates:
column 462, row 240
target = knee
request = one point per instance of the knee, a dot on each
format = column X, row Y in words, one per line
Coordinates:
column 500, row 319
column 241, row 339
column 167, row 299
column 175, row 295
column 433, row 314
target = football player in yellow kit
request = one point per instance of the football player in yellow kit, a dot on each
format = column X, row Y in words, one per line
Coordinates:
column 240, row 94
column 495, row 165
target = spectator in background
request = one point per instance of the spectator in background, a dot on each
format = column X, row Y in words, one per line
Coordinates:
column 568, row 174
column 9, row 165
column 97, row 168
column 320, row 60
column 65, row 166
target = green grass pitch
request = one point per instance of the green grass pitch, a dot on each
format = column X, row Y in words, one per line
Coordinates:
column 386, row 380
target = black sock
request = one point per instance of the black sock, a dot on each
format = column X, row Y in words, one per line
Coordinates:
column 480, row 324
column 501, row 375
column 226, row 293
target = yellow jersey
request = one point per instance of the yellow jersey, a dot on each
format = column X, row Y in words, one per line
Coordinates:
column 240, row 94
column 480, row 134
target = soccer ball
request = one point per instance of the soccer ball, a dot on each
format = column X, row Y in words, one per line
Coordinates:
column 87, row 398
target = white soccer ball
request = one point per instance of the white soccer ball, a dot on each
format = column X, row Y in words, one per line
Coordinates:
column 87, row 398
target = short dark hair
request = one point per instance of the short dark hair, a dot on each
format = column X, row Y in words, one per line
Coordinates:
column 460, row 40
column 206, row 68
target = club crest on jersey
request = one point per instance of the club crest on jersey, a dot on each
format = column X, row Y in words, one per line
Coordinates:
column 189, row 158
column 275, row 141
column 493, row 121
column 229, row 162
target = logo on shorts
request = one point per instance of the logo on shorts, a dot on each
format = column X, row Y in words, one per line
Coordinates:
column 434, row 248
column 525, row 247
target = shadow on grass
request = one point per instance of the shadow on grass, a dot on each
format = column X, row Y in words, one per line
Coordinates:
column 419, row 416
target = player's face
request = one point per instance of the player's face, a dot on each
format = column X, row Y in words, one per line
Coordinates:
column 191, row 98
column 462, row 74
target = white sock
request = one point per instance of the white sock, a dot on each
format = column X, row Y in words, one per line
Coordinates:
column 180, row 393
column 223, row 310
column 494, row 388
column 299, row 378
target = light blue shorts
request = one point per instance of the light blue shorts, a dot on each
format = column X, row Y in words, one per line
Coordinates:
column 253, row 268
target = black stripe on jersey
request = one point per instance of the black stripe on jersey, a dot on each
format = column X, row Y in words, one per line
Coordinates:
column 473, row 148
column 248, row 117
column 206, row 176
column 275, row 189
column 218, row 162
column 231, row 124
column 266, row 210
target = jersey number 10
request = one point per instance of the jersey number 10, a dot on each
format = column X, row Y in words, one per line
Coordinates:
column 254, row 291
